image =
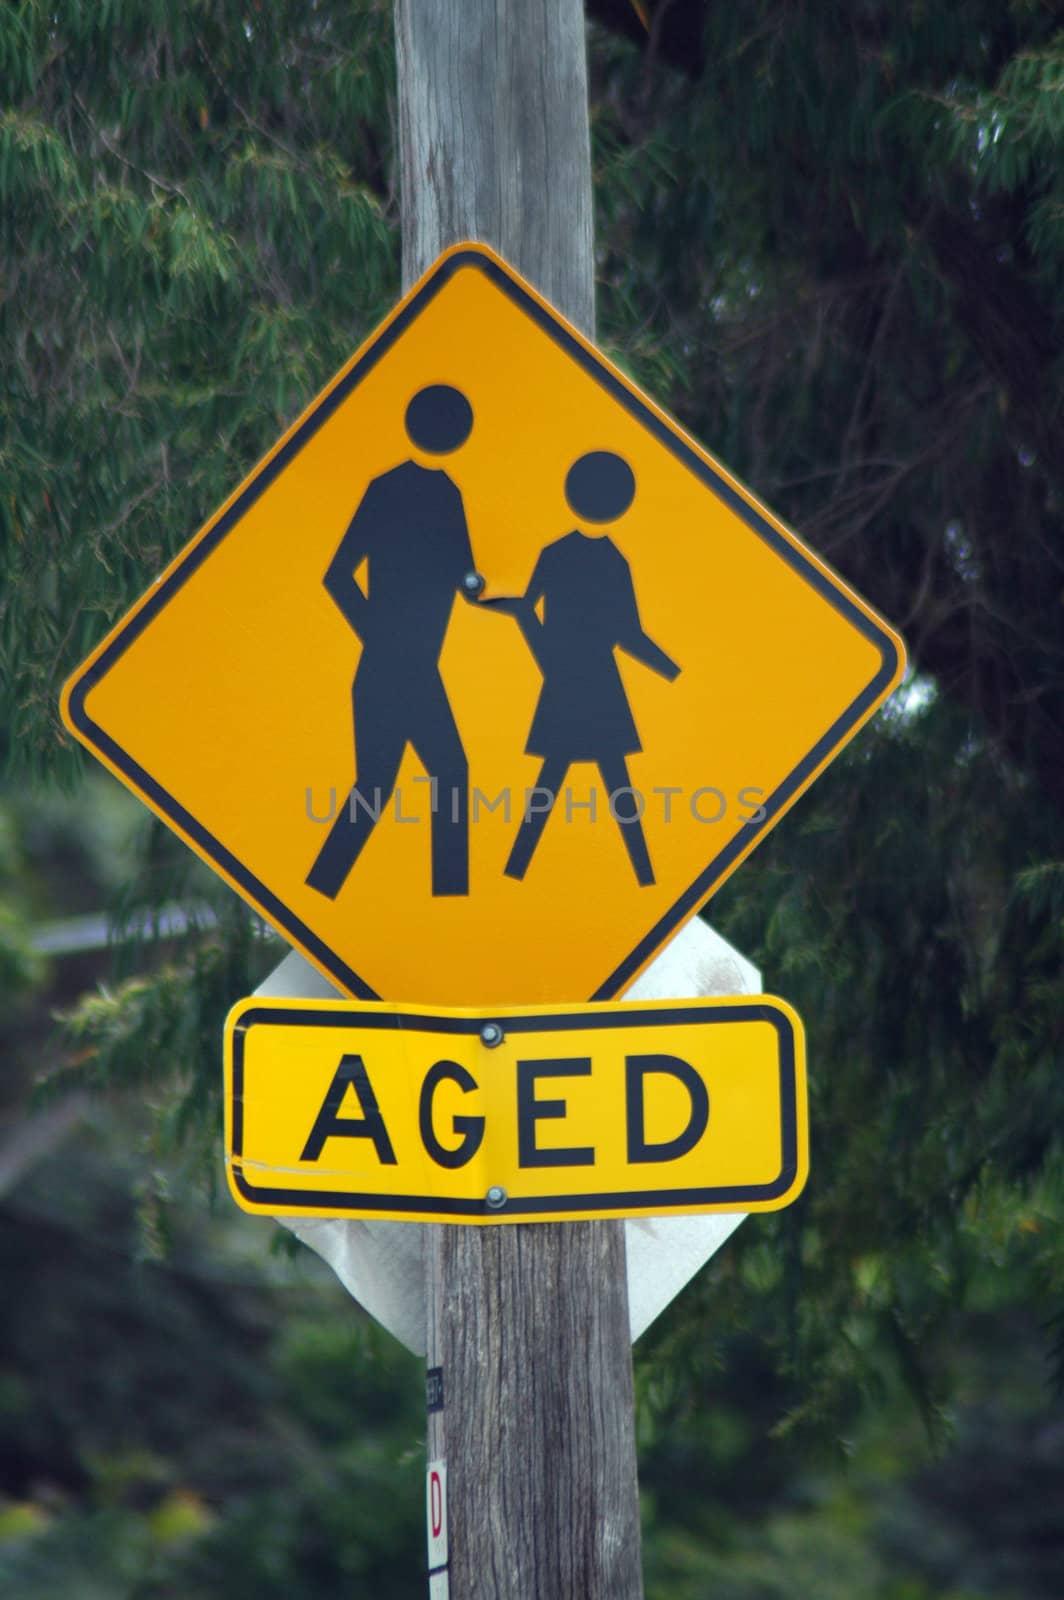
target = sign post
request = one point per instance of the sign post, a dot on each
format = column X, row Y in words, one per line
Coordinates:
column 527, row 1327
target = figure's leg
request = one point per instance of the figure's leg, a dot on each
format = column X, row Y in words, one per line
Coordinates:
column 614, row 770
column 439, row 746
column 379, row 750
column 551, row 777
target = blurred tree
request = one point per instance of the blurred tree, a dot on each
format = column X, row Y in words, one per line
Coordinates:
column 847, row 240
column 194, row 234
column 199, row 1424
column 841, row 247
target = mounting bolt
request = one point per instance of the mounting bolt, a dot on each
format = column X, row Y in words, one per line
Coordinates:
column 491, row 1034
column 496, row 1197
column 473, row 583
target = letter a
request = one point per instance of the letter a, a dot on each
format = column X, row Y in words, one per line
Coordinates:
column 329, row 1125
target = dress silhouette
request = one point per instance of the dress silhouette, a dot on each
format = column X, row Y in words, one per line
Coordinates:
column 583, row 587
column 410, row 529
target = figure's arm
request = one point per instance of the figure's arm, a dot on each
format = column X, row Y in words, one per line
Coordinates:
column 523, row 609
column 523, row 613
column 635, row 640
column 642, row 647
column 339, row 580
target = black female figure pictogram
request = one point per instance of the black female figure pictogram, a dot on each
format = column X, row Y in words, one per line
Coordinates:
column 582, row 585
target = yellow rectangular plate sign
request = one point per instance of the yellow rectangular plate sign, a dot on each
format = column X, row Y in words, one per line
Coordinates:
column 421, row 1114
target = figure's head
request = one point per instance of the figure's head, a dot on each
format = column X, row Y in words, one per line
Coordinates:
column 600, row 486
column 439, row 419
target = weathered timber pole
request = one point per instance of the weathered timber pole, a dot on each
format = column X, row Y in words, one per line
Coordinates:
column 529, row 1323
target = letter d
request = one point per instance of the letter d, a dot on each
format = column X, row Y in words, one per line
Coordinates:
column 636, row 1071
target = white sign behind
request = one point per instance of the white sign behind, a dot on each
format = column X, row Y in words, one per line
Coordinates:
column 380, row 1263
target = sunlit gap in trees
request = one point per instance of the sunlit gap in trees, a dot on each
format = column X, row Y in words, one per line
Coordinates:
column 911, row 698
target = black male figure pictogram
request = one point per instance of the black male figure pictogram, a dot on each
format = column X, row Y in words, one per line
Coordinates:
column 410, row 529
column 583, row 584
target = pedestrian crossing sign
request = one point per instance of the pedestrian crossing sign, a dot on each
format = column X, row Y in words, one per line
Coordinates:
column 488, row 675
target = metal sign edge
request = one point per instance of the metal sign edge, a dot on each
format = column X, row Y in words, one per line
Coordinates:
column 717, row 480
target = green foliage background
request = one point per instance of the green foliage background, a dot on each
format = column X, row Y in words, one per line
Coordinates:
column 831, row 240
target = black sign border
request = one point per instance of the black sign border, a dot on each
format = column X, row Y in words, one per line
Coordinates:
column 736, row 1197
column 250, row 885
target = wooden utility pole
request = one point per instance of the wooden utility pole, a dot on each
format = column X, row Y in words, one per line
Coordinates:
column 527, row 1323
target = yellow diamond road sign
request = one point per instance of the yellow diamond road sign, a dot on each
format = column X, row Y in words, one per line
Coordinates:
column 339, row 1109
column 487, row 676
